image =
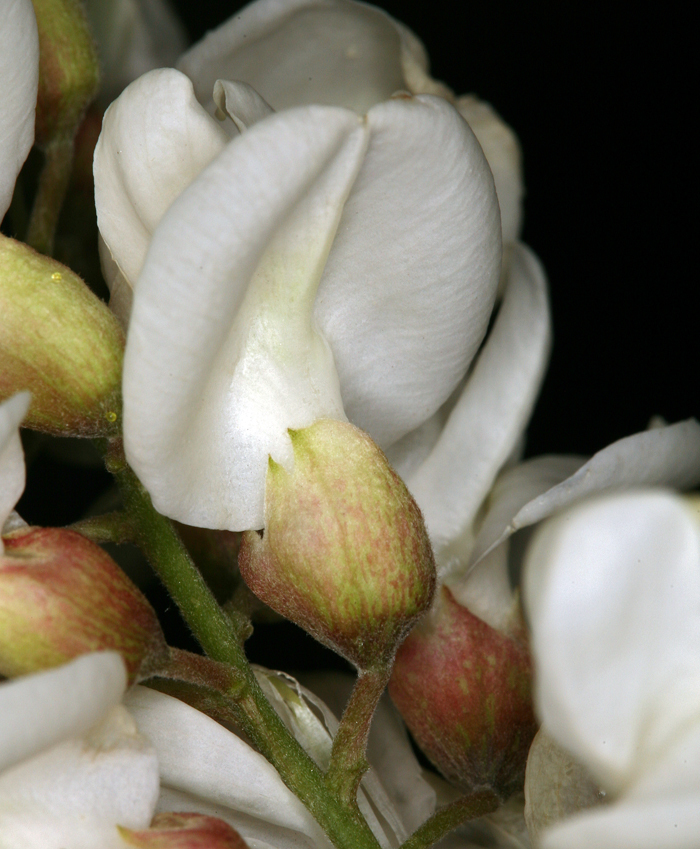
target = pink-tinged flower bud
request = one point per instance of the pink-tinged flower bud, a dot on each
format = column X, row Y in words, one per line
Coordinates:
column 69, row 73
column 345, row 553
column 60, row 342
column 184, row 831
column 62, row 596
column 464, row 690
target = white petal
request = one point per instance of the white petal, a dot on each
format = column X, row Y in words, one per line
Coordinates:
column 241, row 103
column 612, row 590
column 12, row 471
column 494, row 407
column 486, row 590
column 231, row 779
column 410, row 282
column 298, row 52
column 662, row 456
column 502, row 151
column 652, row 824
column 133, row 37
column 222, row 355
column 515, row 488
column 41, row 710
column 77, row 792
column 155, row 140
column 19, row 79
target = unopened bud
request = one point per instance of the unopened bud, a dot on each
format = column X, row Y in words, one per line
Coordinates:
column 184, row 831
column 345, row 553
column 62, row 596
column 60, row 342
column 69, row 74
column 464, row 690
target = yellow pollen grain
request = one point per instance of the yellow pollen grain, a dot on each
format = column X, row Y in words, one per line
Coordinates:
column 111, row 416
column 57, row 276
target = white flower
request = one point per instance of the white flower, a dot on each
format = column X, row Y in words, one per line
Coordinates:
column 19, row 80
column 342, row 53
column 12, row 471
column 612, row 589
column 72, row 763
column 322, row 264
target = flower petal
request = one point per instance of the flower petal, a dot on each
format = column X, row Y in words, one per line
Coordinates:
column 502, row 152
column 612, row 589
column 662, row 456
column 155, row 140
column 411, row 279
column 133, row 37
column 491, row 413
column 515, row 488
column 12, row 471
column 241, row 103
column 77, row 792
column 232, row 782
column 222, row 355
column 299, row 52
column 19, row 80
column 41, row 710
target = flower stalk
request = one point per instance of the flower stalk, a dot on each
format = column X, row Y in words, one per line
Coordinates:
column 221, row 641
column 348, row 762
column 447, row 818
column 50, row 194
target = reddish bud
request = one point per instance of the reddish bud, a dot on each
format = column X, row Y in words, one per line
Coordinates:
column 62, row 596
column 345, row 552
column 464, row 690
column 184, row 831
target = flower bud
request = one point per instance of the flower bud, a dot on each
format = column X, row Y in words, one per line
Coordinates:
column 68, row 69
column 345, row 553
column 60, row 342
column 184, row 831
column 464, row 690
column 62, row 596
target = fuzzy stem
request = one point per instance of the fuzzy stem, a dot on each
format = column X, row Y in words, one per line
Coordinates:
column 50, row 194
column 348, row 763
column 445, row 819
column 212, row 627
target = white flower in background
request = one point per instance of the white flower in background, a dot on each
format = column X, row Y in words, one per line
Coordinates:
column 72, row 763
column 612, row 591
column 322, row 264
column 19, row 80
column 12, row 471
column 133, row 37
column 342, row 53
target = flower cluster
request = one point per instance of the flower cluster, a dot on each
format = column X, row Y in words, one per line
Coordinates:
column 323, row 344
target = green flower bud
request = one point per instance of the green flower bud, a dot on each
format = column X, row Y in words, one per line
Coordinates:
column 62, row 596
column 345, row 553
column 60, row 342
column 69, row 75
column 464, row 690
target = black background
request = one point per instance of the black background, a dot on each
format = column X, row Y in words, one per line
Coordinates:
column 599, row 97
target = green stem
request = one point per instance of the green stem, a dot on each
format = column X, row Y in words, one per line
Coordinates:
column 444, row 820
column 219, row 639
column 50, row 194
column 348, row 763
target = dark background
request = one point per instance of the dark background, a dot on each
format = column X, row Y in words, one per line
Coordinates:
column 599, row 96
